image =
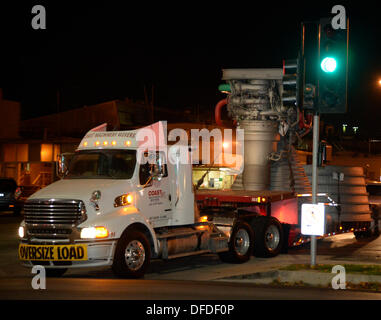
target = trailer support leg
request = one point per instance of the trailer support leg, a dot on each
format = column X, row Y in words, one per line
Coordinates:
column 268, row 209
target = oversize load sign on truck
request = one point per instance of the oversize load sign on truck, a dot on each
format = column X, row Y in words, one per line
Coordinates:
column 52, row 253
column 313, row 219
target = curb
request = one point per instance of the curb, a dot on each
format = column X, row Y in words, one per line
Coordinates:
column 313, row 278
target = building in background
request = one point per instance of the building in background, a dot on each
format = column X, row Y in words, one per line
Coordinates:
column 29, row 148
column 118, row 114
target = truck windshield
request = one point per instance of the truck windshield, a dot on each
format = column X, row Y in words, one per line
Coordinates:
column 102, row 164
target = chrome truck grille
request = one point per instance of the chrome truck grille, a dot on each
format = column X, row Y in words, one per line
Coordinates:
column 54, row 211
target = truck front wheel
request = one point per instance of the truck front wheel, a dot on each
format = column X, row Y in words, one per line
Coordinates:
column 240, row 244
column 132, row 255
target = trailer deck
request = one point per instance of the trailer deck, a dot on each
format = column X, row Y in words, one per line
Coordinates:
column 242, row 196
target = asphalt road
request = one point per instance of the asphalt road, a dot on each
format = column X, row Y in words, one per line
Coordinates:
column 187, row 278
column 116, row 289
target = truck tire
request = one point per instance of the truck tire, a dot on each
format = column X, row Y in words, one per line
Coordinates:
column 269, row 237
column 132, row 255
column 240, row 244
column 55, row 273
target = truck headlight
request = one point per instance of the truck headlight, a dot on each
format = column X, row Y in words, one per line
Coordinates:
column 94, row 233
column 21, row 232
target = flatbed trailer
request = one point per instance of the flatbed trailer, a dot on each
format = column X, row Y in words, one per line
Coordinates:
column 254, row 206
column 241, row 198
column 271, row 214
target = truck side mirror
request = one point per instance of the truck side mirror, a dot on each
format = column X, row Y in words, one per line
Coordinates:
column 157, row 172
column 62, row 164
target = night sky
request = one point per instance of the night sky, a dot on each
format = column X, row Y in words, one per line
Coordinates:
column 98, row 52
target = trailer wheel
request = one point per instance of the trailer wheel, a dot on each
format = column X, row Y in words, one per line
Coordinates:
column 269, row 237
column 132, row 255
column 240, row 244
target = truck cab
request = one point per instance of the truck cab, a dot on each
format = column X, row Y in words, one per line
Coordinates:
column 116, row 205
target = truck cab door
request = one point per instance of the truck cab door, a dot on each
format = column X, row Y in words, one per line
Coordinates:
column 154, row 199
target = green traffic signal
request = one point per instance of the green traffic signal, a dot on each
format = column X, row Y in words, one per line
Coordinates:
column 328, row 65
column 333, row 72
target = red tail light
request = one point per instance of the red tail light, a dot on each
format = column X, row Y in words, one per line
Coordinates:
column 18, row 192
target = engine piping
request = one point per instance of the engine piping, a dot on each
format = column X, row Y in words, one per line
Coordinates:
column 217, row 112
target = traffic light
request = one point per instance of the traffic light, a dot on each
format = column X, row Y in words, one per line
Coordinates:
column 329, row 64
column 333, row 68
column 291, row 82
column 309, row 96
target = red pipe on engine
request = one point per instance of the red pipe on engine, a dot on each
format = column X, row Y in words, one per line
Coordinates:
column 217, row 113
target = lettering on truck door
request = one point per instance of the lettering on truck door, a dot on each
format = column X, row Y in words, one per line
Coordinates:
column 154, row 198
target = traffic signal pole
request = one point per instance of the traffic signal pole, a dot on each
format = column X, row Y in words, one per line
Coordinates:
column 324, row 90
column 315, row 151
column 315, row 143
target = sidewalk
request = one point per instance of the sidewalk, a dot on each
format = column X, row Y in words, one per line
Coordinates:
column 217, row 271
column 308, row 278
column 338, row 250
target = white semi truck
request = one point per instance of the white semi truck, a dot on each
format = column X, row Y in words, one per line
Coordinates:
column 109, row 209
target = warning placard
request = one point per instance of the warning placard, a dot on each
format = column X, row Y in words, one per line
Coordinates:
column 313, row 219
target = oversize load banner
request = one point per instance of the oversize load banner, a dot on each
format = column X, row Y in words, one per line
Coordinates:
column 52, row 252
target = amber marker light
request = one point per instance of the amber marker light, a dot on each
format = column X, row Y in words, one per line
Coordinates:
column 113, row 143
column 97, row 143
column 129, row 199
column 123, row 200
column 204, row 219
column 127, row 143
column 94, row 233
column 101, row 232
